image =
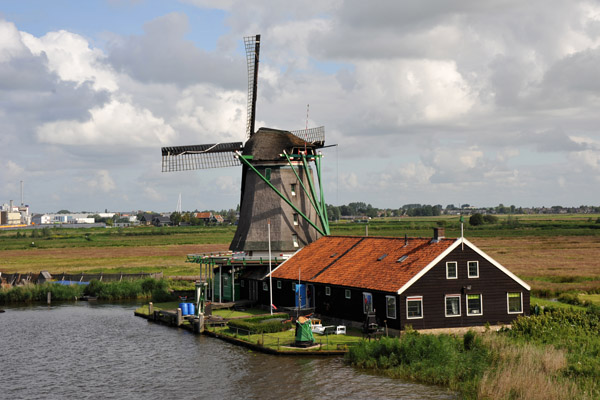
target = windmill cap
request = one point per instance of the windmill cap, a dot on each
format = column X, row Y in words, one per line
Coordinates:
column 267, row 144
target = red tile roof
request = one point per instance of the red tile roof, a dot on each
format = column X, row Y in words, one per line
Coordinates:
column 354, row 261
column 203, row 215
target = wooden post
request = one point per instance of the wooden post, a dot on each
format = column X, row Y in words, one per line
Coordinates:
column 49, row 298
column 179, row 318
column 150, row 308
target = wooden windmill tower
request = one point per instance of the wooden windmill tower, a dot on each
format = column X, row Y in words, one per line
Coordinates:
column 278, row 183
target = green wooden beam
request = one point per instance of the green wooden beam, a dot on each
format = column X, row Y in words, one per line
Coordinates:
column 247, row 163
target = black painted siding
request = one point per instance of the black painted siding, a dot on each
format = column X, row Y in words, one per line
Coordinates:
column 492, row 284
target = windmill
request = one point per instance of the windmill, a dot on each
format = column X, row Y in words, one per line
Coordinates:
column 277, row 180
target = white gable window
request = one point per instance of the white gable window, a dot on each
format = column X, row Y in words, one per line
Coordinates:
column 414, row 307
column 293, row 286
column 514, row 302
column 327, row 291
column 295, row 240
column 451, row 270
column 265, row 286
column 453, row 305
column 390, row 307
column 474, row 304
column 347, row 293
column 473, row 269
column 278, row 284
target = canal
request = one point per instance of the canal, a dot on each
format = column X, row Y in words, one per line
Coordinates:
column 95, row 350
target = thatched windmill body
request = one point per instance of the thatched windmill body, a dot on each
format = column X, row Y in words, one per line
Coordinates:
column 278, row 184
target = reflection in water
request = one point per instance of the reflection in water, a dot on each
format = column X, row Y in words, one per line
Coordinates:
column 88, row 350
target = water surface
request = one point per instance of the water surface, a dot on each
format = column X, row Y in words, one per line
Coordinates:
column 101, row 351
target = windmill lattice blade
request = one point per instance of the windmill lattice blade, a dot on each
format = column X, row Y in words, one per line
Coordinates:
column 252, row 54
column 203, row 156
column 313, row 135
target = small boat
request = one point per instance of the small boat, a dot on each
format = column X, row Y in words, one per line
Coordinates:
column 1, row 311
column 88, row 298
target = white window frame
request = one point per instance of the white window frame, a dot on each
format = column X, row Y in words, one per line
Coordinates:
column 294, row 287
column 347, row 293
column 265, row 286
column 387, row 307
column 480, row 304
column 446, row 305
column 469, row 269
column 508, row 304
column 293, row 189
column 278, row 284
column 327, row 291
column 295, row 240
column 414, row 298
column 371, row 308
column 455, row 270
column 295, row 218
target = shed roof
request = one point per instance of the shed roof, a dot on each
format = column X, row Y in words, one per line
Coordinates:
column 376, row 263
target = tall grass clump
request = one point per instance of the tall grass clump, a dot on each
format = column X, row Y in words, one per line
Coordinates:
column 263, row 324
column 441, row 360
column 157, row 289
column 577, row 332
column 32, row 293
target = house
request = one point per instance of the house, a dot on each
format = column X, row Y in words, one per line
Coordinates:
column 204, row 216
column 161, row 220
column 425, row 283
column 146, row 218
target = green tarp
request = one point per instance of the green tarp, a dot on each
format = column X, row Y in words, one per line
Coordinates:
column 303, row 332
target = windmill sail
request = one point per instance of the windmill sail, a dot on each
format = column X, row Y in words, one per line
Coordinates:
column 315, row 136
column 252, row 54
column 201, row 156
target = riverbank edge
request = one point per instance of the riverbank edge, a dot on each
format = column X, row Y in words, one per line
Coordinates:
column 252, row 346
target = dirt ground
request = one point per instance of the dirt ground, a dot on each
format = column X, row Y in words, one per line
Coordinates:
column 104, row 258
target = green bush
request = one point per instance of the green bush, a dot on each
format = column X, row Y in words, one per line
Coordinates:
column 262, row 324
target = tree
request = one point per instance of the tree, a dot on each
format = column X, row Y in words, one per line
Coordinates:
column 175, row 218
column 333, row 212
column 490, row 219
column 476, row 219
column 64, row 212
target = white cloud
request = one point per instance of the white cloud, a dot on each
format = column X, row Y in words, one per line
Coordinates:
column 102, row 181
column 115, row 124
column 70, row 56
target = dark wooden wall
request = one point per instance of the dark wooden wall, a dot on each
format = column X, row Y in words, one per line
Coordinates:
column 492, row 284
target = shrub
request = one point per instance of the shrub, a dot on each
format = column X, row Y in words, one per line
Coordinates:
column 262, row 324
column 476, row 219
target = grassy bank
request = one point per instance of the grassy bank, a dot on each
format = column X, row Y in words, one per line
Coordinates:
column 143, row 288
column 555, row 355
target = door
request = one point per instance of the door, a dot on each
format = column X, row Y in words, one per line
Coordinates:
column 253, row 290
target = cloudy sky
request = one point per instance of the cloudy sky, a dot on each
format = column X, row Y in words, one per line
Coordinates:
column 431, row 102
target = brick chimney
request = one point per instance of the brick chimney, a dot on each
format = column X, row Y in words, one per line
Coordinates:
column 438, row 233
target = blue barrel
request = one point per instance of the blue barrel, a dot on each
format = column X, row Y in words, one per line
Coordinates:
column 184, row 308
column 192, row 308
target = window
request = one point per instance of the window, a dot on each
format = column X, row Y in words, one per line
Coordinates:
column 293, row 189
column 473, row 269
column 268, row 174
column 390, row 307
column 265, row 286
column 295, row 219
column 451, row 270
column 242, row 284
column 327, row 291
column 515, row 302
column 453, row 305
column 367, row 303
column 293, row 286
column 474, row 304
column 295, row 240
column 278, row 284
column 347, row 293
column 414, row 307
